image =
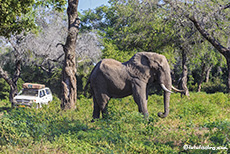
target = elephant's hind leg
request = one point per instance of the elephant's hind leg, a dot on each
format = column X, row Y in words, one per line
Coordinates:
column 105, row 111
column 100, row 104
column 96, row 109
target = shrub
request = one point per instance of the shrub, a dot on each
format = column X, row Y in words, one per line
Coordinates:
column 5, row 88
column 214, row 86
column 219, row 132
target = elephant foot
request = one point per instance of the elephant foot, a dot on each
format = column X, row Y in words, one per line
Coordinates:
column 94, row 119
column 146, row 115
column 162, row 115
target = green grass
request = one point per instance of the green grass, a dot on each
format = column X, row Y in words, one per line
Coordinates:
column 202, row 119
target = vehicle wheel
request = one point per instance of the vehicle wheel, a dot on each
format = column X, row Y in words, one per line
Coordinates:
column 38, row 106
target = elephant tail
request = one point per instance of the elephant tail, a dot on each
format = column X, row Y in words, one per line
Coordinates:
column 88, row 82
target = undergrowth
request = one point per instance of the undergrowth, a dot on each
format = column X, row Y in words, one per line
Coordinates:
column 201, row 120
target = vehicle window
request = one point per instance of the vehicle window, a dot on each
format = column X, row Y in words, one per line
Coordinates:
column 47, row 91
column 29, row 92
column 42, row 93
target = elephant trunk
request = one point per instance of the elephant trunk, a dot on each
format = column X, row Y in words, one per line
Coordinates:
column 166, row 84
column 166, row 105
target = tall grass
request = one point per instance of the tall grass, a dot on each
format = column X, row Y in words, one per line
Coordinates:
column 202, row 119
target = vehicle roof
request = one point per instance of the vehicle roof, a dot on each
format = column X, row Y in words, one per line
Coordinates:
column 38, row 88
column 33, row 86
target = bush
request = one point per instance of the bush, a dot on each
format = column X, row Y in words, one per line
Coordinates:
column 5, row 88
column 214, row 86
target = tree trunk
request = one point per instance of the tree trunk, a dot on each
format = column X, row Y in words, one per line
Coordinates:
column 201, row 78
column 69, row 81
column 184, row 77
column 13, row 92
column 208, row 73
column 12, row 82
column 228, row 63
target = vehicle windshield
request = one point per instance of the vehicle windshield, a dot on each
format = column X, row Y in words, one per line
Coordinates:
column 29, row 92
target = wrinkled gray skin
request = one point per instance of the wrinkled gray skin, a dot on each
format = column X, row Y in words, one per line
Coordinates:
column 113, row 79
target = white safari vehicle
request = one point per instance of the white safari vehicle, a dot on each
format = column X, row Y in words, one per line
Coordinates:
column 33, row 94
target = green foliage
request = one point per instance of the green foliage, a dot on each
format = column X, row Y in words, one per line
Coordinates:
column 220, row 132
column 201, row 119
column 214, row 86
column 16, row 16
column 128, row 27
column 19, row 16
column 59, row 5
column 5, row 88
column 111, row 51
column 53, row 81
column 19, row 84
column 83, row 73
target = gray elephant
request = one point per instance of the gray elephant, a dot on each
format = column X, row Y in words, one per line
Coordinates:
column 113, row 79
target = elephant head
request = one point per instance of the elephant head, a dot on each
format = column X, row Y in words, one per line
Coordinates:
column 148, row 66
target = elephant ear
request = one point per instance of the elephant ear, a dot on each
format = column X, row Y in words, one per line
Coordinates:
column 144, row 60
column 139, row 66
column 157, row 61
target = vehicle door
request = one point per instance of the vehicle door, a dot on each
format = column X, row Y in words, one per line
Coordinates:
column 42, row 95
column 49, row 95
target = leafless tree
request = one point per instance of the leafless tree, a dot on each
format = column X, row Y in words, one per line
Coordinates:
column 46, row 46
column 88, row 47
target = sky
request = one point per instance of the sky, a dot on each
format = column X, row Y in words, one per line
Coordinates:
column 86, row 4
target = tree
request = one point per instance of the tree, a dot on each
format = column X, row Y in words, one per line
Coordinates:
column 18, row 54
column 130, row 26
column 69, row 81
column 184, row 75
column 225, row 51
column 205, row 60
column 12, row 81
column 88, row 47
column 44, row 52
column 4, row 93
column 19, row 16
column 211, row 19
column 16, row 17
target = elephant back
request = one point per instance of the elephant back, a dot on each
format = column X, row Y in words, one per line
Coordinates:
column 110, row 64
column 138, row 66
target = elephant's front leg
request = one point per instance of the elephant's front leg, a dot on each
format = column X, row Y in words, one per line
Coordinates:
column 140, row 97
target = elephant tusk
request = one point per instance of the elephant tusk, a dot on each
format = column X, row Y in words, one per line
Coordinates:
column 177, row 90
column 165, row 89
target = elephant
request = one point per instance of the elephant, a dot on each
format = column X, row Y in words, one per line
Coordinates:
column 113, row 79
